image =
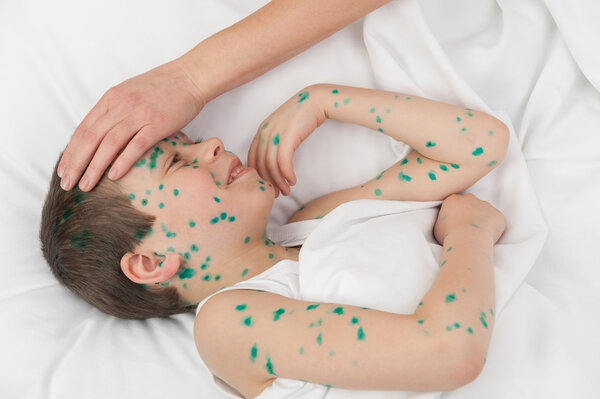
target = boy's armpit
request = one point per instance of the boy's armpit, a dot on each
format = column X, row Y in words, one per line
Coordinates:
column 248, row 338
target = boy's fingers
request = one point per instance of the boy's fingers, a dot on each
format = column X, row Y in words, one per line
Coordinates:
column 113, row 142
column 285, row 158
column 274, row 171
column 252, row 152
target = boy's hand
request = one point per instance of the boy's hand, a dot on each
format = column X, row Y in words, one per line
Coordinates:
column 278, row 137
column 468, row 211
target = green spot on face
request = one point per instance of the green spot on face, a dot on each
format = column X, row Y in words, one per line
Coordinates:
column 478, row 151
column 419, row 161
column 131, row 196
column 253, row 353
column 432, row 175
column 360, row 334
column 492, row 163
column 450, row 298
column 403, row 177
column 217, row 200
column 276, row 139
column 454, row 166
column 261, row 188
column 241, row 308
column 303, row 96
column 339, row 310
column 316, row 324
column 187, row 273
column 430, row 144
column 377, row 192
column 246, row 240
column 147, row 192
column 192, row 223
column 311, row 307
column 170, row 249
column 319, row 339
column 277, row 314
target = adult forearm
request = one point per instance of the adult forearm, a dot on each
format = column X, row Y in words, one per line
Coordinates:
column 460, row 305
column 268, row 37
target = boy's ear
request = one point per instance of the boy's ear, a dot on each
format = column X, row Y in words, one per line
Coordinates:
column 147, row 268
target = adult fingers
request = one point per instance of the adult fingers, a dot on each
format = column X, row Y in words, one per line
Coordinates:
column 285, row 157
column 115, row 140
column 253, row 151
column 261, row 162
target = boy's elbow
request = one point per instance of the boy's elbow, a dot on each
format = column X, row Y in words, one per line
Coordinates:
column 465, row 364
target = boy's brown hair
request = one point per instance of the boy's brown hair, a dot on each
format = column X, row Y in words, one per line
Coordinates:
column 83, row 237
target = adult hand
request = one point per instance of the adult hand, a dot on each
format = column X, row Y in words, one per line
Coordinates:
column 131, row 117
column 279, row 136
column 468, row 211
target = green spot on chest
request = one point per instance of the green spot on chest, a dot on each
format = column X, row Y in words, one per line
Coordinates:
column 241, row 308
column 248, row 321
column 277, row 314
column 450, row 298
column 311, row 307
column 478, row 151
column 432, row 175
column 339, row 310
column 360, row 334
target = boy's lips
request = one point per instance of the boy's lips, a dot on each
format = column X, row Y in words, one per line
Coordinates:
column 235, row 168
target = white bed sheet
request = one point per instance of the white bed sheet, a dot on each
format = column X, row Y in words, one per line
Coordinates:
column 534, row 60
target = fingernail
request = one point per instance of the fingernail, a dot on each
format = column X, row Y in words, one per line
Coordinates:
column 61, row 170
column 65, row 182
column 84, row 183
column 112, row 174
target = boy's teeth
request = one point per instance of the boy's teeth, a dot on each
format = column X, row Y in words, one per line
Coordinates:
column 235, row 172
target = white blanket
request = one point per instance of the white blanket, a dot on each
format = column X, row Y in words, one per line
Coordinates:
column 534, row 61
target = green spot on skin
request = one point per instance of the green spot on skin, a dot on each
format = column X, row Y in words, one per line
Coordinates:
column 187, row 273
column 490, row 132
column 140, row 162
column 176, row 192
column 464, row 290
column 444, row 168
column 432, row 175
column 276, row 140
column 131, row 196
column 336, row 104
column 372, row 110
column 404, row 162
column 464, row 129
column 318, row 323
column 360, row 334
column 430, row 144
column 301, row 350
column 346, row 101
column 246, row 240
column 170, row 249
column 381, row 130
column 231, row 218
column 492, row 312
column 474, row 225
column 218, row 183
column 271, row 256
column 303, row 96
column 482, row 317
column 187, row 256
column 269, row 366
column 147, row 192
column 253, row 353
column 241, row 308
column 450, row 298
column 261, row 188
column 331, row 353
column 421, row 303
column 311, row 307
column 217, row 200
column 403, row 177
column 277, row 314
column 378, row 119
column 244, row 272
column 192, row 223
column 419, row 161
column 377, row 192
column 194, row 248
column 335, row 91
column 319, row 339
column 395, row 97
column 265, row 126
column 478, row 151
column 217, row 277
column 470, row 330
column 454, row 166
column 354, row 320
column 449, row 249
column 448, row 328
column 161, row 205
column 223, row 216
column 458, row 119
column 492, row 164
column 379, row 177
column 206, row 277
column 421, row 321
column 409, row 98
column 339, row 310
column 444, row 262
column 470, row 114
column 456, row 325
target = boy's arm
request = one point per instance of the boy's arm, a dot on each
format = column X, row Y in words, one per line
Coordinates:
column 248, row 338
column 453, row 146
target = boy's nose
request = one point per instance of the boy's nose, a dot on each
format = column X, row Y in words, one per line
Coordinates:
column 211, row 149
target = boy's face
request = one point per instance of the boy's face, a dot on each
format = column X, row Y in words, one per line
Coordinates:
column 201, row 212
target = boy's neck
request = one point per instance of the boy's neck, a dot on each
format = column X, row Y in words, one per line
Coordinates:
column 259, row 255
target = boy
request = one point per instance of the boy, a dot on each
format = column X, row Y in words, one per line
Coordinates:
column 192, row 220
